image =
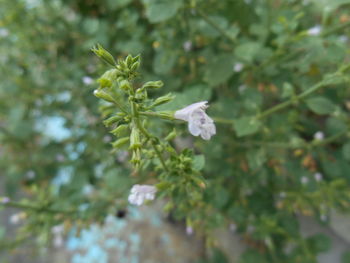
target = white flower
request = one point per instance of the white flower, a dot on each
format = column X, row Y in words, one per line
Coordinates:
column 187, row 45
column 3, row 32
column 189, row 230
column 199, row 123
column 4, row 200
column 319, row 136
column 314, row 31
column 318, row 177
column 238, row 67
column 304, row 180
column 57, row 232
column 17, row 218
column 140, row 193
column 87, row 80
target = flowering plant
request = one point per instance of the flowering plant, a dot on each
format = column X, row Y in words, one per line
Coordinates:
column 273, row 146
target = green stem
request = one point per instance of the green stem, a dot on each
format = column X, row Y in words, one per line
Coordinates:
column 147, row 134
column 34, row 208
column 213, row 24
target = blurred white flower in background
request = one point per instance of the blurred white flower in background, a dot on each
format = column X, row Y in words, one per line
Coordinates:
column 189, row 230
column 141, row 193
column 87, row 80
column 4, row 200
column 3, row 32
column 314, row 31
column 318, row 177
column 17, row 218
column 199, row 123
column 187, row 45
column 304, row 180
column 238, row 67
column 319, row 136
column 57, row 232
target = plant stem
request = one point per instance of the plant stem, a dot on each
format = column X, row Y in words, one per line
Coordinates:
column 147, row 134
column 35, row 208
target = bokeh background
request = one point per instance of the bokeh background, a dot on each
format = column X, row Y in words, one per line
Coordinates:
column 280, row 187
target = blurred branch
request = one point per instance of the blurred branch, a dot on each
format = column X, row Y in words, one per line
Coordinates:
column 288, row 145
column 35, row 208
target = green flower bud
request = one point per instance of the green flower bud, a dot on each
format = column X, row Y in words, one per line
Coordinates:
column 167, row 115
column 112, row 120
column 103, row 54
column 153, row 84
column 120, row 130
column 163, row 100
column 141, row 94
column 104, row 83
column 136, row 59
column 129, row 61
column 103, row 95
column 136, row 157
column 120, row 142
column 171, row 135
column 135, row 141
column 125, row 85
column 135, row 66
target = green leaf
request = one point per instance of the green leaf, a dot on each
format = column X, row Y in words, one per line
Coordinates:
column 164, row 61
column 256, row 158
column 248, row 51
column 198, row 162
column 346, row 151
column 161, row 10
column 219, row 70
column 320, row 105
column 246, row 126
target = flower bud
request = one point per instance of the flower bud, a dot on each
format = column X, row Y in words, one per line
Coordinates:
column 167, row 115
column 104, row 83
column 125, row 85
column 120, row 142
column 136, row 157
column 171, row 135
column 120, row 130
column 103, row 95
column 103, row 54
column 112, row 120
column 135, row 141
column 135, row 66
column 153, row 84
column 129, row 61
column 163, row 100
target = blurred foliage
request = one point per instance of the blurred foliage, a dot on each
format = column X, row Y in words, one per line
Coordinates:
column 242, row 56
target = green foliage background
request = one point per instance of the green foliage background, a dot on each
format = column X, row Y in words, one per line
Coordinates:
column 255, row 166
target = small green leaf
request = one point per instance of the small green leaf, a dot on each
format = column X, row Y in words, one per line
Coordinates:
column 161, row 10
column 320, row 105
column 246, row 126
column 248, row 51
column 198, row 162
column 219, row 70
